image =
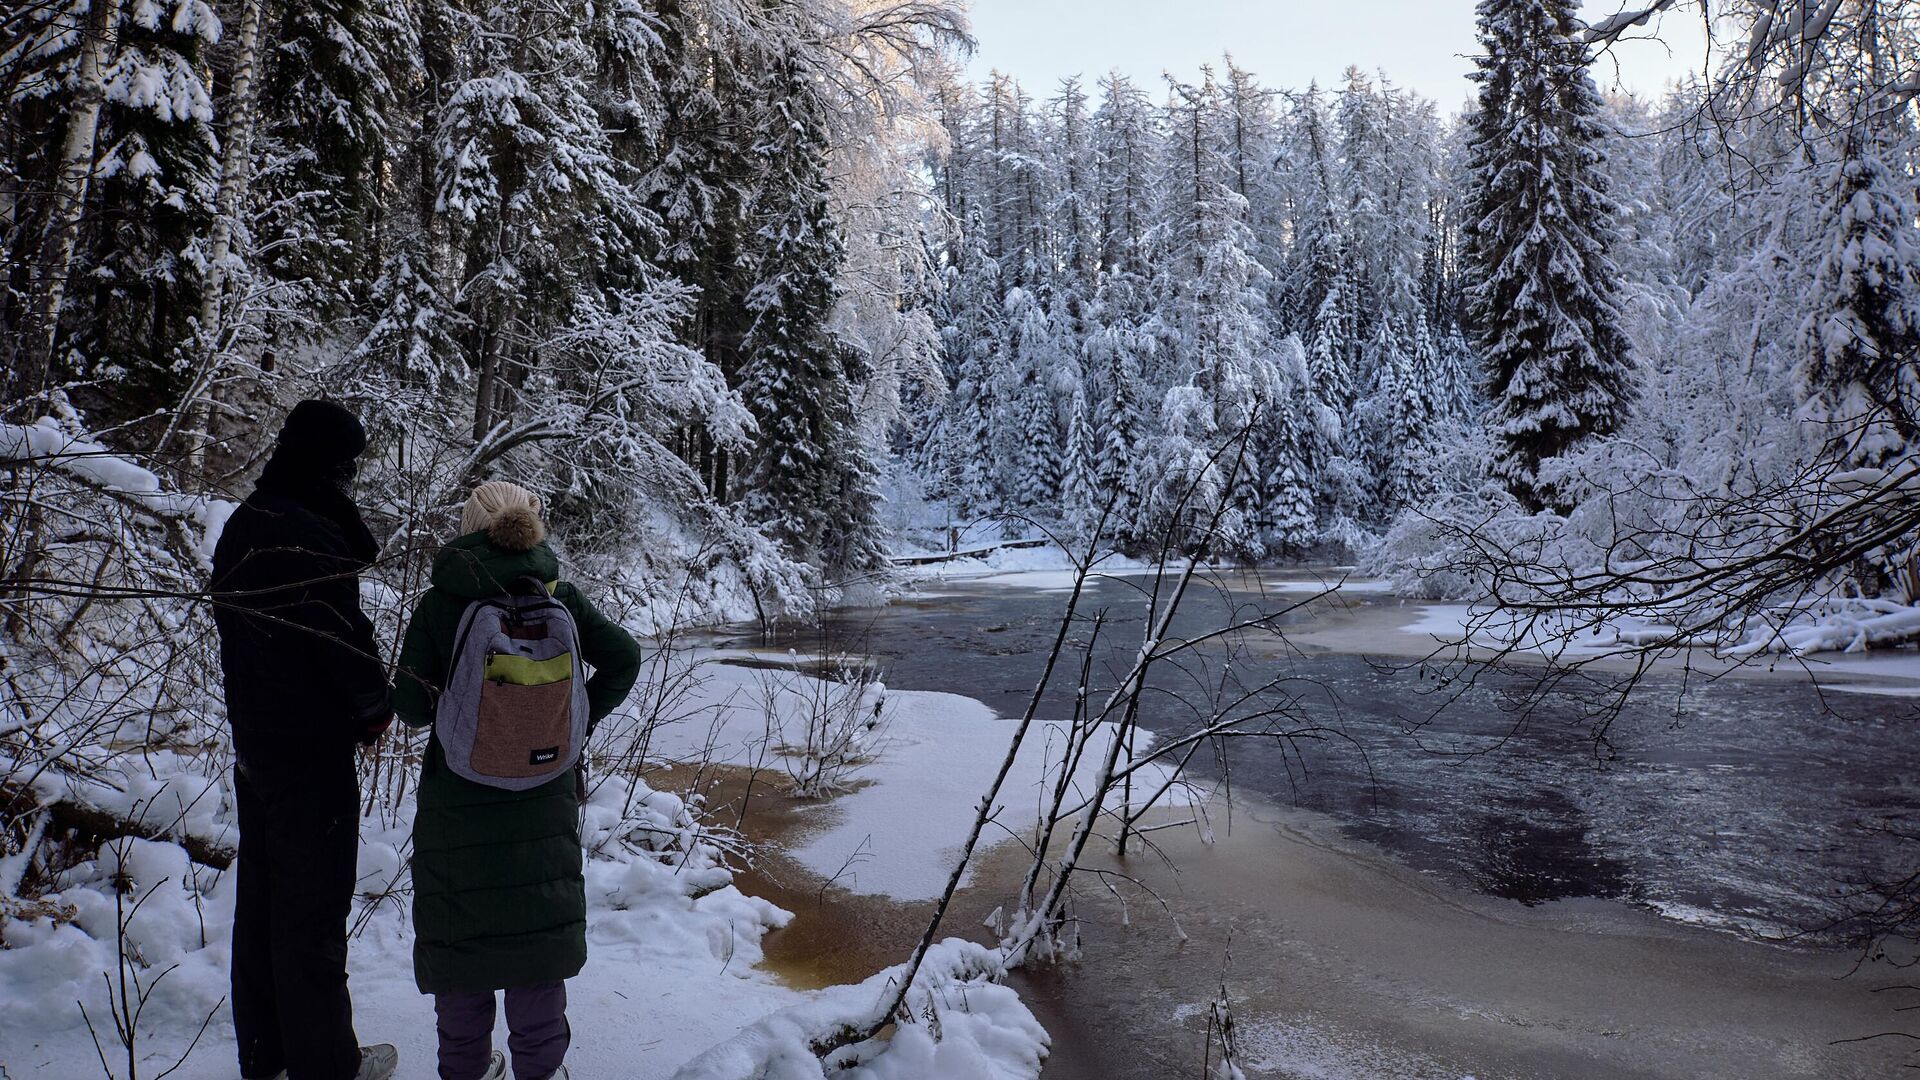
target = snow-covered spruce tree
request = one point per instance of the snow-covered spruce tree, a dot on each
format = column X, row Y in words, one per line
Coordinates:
column 1456, row 382
column 1315, row 252
column 326, row 107
column 1079, row 494
column 524, row 175
column 1286, row 439
column 1015, row 185
column 114, row 167
column 1027, row 431
column 519, row 326
column 1372, row 434
column 955, row 166
column 973, row 339
column 1123, row 347
column 1541, row 225
column 923, row 437
column 803, row 475
column 1227, row 343
column 1365, row 184
column 1860, row 371
column 1115, row 354
column 1070, row 207
column 1250, row 137
column 708, row 67
column 1415, row 415
column 1339, row 479
column 1192, row 166
column 1334, row 357
column 306, row 172
column 1125, row 164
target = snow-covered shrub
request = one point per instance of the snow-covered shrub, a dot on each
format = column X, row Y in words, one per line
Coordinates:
column 825, row 726
column 107, row 658
column 132, row 945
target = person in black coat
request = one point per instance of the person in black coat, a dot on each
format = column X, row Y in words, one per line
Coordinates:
column 304, row 684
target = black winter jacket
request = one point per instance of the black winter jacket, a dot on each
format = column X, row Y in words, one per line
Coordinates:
column 303, row 672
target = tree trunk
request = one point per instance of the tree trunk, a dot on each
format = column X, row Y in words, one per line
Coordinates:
column 236, row 170
column 69, row 200
column 484, row 388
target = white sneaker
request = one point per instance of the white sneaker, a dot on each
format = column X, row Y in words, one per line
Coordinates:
column 496, row 1068
column 377, row 1062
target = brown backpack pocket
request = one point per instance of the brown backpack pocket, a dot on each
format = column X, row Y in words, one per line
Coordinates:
column 522, row 730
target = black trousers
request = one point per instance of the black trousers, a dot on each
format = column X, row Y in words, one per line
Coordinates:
column 299, row 844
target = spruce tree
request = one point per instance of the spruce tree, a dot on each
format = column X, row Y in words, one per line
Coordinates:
column 1538, row 244
column 1122, row 412
column 324, row 106
column 109, row 199
column 1125, row 162
column 1227, row 342
column 1029, row 430
column 1315, row 252
column 973, row 340
column 1413, row 414
column 1079, row 497
column 1860, row 375
column 1287, row 488
column 797, row 380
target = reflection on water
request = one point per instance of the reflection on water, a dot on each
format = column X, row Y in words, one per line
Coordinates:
column 1735, row 803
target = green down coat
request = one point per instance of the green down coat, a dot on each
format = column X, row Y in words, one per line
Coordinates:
column 499, row 899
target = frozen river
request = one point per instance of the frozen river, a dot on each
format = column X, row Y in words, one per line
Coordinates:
column 1435, row 848
column 1739, row 803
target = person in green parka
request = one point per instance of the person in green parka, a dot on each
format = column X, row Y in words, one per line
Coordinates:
column 499, row 898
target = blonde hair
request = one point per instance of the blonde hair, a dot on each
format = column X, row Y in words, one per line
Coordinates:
column 509, row 514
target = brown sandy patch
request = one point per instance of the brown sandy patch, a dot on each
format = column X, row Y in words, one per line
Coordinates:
column 836, row 936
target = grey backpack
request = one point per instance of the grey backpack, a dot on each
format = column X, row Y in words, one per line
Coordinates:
column 513, row 712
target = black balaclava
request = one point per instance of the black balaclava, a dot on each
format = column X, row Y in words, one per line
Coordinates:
column 314, row 463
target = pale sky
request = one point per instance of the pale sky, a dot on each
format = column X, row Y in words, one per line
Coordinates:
column 1423, row 45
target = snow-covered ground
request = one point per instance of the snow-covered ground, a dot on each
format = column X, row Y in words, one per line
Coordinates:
column 672, row 945
column 1048, row 567
column 1464, row 624
column 896, row 831
column 671, row 978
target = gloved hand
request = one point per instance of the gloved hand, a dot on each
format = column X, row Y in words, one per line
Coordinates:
column 372, row 729
column 372, row 715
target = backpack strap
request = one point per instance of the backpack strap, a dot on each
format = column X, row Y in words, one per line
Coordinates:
column 528, row 585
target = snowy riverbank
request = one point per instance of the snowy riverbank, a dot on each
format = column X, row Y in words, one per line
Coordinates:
column 672, row 975
column 1363, row 617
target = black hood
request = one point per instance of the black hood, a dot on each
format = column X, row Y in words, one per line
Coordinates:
column 319, row 441
column 313, row 464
